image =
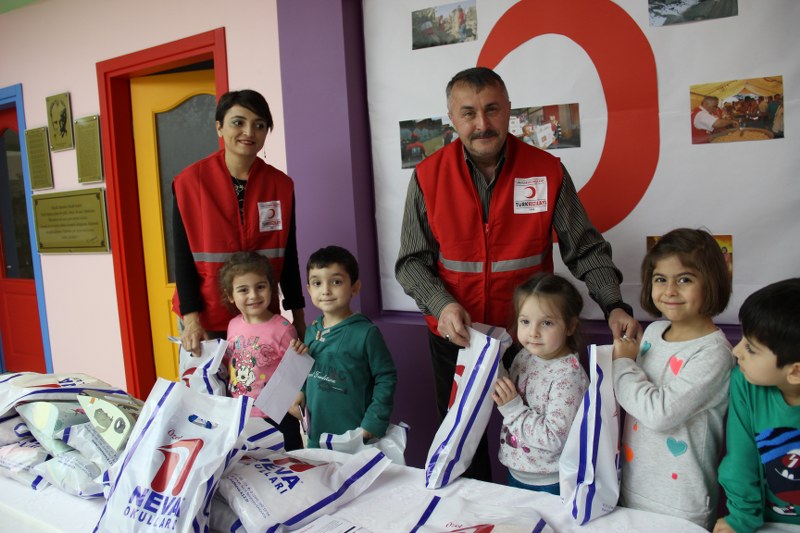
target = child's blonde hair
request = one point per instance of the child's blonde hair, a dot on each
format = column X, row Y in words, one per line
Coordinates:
column 698, row 250
column 560, row 292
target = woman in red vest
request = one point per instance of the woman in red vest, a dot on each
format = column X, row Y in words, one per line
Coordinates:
column 229, row 202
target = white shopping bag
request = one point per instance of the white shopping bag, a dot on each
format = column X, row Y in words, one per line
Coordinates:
column 200, row 373
column 393, row 443
column 589, row 468
column 458, row 436
column 167, row 475
column 258, row 439
column 451, row 513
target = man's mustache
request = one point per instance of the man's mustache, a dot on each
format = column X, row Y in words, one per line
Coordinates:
column 488, row 134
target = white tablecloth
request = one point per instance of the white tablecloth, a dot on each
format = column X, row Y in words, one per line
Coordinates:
column 392, row 504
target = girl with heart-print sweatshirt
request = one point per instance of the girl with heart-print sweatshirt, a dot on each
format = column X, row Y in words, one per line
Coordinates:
column 673, row 382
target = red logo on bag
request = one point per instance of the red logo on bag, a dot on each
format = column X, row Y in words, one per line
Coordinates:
column 183, row 454
column 456, row 383
column 185, row 375
column 293, row 464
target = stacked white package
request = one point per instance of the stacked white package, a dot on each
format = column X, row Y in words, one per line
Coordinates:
column 18, row 459
column 72, row 473
column 46, row 419
column 23, row 387
column 12, row 429
column 281, row 492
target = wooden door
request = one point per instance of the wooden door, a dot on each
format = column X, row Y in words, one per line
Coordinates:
column 23, row 349
column 173, row 126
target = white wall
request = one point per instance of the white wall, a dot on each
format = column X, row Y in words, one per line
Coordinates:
column 52, row 47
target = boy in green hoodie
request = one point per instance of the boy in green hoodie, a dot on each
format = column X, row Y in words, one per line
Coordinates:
column 353, row 379
column 760, row 470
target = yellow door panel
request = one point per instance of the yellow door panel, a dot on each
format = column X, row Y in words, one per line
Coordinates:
column 150, row 96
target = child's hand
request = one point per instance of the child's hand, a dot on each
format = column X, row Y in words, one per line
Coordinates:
column 298, row 346
column 367, row 436
column 504, row 391
column 625, row 347
column 295, row 410
column 722, row 527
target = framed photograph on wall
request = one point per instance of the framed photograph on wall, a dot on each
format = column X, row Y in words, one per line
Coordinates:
column 59, row 122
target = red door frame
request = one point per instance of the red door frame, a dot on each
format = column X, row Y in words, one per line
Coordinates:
column 119, row 162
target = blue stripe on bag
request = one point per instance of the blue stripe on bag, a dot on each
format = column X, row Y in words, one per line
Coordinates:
column 474, row 413
column 598, row 428
column 13, row 414
column 70, row 390
column 582, row 453
column 539, row 527
column 36, row 482
column 435, row 458
column 596, row 411
column 243, row 414
column 427, row 514
column 134, row 446
column 10, row 377
column 259, row 436
column 329, row 441
column 65, row 438
column 332, row 497
column 211, row 487
column 206, row 380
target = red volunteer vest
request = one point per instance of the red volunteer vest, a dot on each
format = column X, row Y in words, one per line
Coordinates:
column 210, row 212
column 481, row 264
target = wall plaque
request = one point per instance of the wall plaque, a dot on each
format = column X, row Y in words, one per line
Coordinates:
column 71, row 222
column 38, row 158
column 87, row 149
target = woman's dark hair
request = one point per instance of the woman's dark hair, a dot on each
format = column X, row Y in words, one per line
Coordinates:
column 243, row 263
column 558, row 291
column 696, row 249
column 247, row 98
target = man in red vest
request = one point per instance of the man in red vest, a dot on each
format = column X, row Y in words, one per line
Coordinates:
column 478, row 221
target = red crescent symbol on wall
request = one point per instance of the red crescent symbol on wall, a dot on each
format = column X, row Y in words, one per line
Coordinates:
column 630, row 154
column 270, row 213
column 532, row 193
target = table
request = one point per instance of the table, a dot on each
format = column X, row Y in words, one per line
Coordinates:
column 392, row 504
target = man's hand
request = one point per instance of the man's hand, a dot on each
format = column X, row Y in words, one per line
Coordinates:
column 193, row 333
column 504, row 391
column 621, row 323
column 625, row 347
column 722, row 527
column 453, row 323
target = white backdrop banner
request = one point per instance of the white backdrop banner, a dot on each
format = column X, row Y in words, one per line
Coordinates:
column 617, row 83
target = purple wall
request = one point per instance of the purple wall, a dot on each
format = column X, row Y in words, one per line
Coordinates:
column 328, row 154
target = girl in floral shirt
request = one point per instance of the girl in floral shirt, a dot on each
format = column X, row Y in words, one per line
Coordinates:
column 543, row 393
